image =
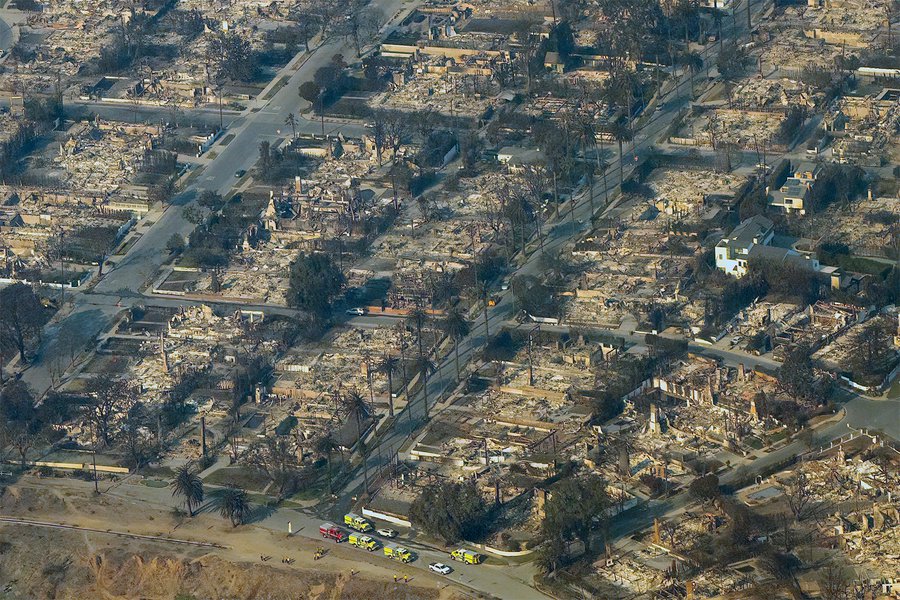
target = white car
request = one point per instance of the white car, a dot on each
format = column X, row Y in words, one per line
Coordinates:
column 388, row 533
column 356, row 311
column 440, row 568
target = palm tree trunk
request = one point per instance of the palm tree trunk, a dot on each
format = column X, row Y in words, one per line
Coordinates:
column 487, row 333
column 621, row 166
column 390, row 377
column 605, row 183
column 425, row 391
column 456, row 356
column 555, row 195
column 591, row 196
column 330, row 491
column 572, row 212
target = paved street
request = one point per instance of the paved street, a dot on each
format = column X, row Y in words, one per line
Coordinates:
column 122, row 286
column 260, row 122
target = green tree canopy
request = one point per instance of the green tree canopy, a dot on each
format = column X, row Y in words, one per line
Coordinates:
column 21, row 316
column 576, row 506
column 705, row 488
column 451, row 510
column 314, row 282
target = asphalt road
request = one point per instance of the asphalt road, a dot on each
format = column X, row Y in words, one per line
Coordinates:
column 92, row 315
column 556, row 235
column 261, row 121
column 861, row 412
column 8, row 19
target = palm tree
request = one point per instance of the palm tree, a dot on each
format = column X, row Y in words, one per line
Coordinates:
column 367, row 359
column 234, row 505
column 418, row 317
column 590, row 177
column 480, row 292
column 456, row 326
column 587, row 136
column 356, row 405
column 327, row 445
column 189, row 486
column 425, row 367
column 388, row 366
column 401, row 342
column 692, row 62
column 292, row 121
column 621, row 133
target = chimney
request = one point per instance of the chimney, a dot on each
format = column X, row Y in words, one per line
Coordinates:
column 624, row 461
column 162, row 351
column 654, row 418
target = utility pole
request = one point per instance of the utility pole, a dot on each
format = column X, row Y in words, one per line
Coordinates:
column 94, row 460
column 62, row 266
column 748, row 18
column 530, row 362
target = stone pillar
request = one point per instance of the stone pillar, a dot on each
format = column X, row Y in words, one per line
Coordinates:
column 162, row 352
column 654, row 419
column 624, row 462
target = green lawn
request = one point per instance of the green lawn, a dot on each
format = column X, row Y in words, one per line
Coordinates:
column 155, row 483
column 275, row 88
column 247, row 479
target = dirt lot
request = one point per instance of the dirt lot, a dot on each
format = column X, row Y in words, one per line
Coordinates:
column 40, row 562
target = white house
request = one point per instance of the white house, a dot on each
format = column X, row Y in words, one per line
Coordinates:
column 794, row 194
column 733, row 251
column 752, row 239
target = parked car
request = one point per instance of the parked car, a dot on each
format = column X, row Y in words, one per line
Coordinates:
column 388, row 533
column 356, row 311
column 240, row 173
column 440, row 568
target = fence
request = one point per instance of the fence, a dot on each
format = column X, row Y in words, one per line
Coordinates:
column 74, row 466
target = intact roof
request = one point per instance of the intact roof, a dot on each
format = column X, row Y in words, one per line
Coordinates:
column 795, row 188
column 749, row 229
column 807, row 167
column 520, row 155
column 768, row 253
